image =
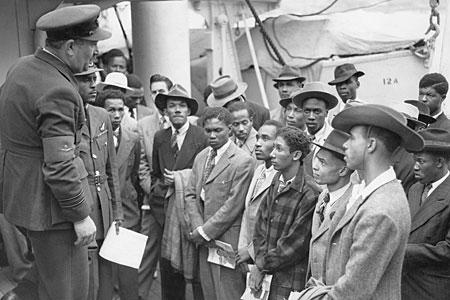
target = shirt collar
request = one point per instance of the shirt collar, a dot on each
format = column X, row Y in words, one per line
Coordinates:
column 45, row 50
column 322, row 133
column 222, row 149
column 438, row 114
column 338, row 193
column 286, row 182
column 183, row 128
column 437, row 183
column 380, row 180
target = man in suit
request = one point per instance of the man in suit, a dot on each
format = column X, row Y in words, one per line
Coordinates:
column 226, row 91
column 433, row 90
column 174, row 149
column 330, row 170
column 426, row 274
column 259, row 187
column 127, row 148
column 215, row 199
column 283, row 224
column 367, row 237
column 43, row 185
column 244, row 135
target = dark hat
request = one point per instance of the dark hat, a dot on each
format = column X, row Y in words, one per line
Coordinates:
column 92, row 69
column 176, row 92
column 411, row 113
column 380, row 116
column 285, row 102
column 344, row 72
column 288, row 73
column 335, row 142
column 73, row 22
column 315, row 90
column 224, row 89
column 424, row 111
column 435, row 139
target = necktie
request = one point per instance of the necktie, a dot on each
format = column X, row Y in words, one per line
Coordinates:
column 209, row 165
column 259, row 182
column 132, row 112
column 173, row 141
column 425, row 193
column 321, row 210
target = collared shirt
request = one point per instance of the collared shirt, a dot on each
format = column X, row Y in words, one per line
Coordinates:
column 116, row 134
column 365, row 191
column 437, row 183
column 321, row 135
column 438, row 114
column 181, row 134
column 334, row 196
column 283, row 184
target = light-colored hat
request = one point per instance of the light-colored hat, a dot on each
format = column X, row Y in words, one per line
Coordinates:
column 176, row 92
column 116, row 79
column 317, row 90
column 224, row 89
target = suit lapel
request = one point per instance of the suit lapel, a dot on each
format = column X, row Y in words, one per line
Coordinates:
column 186, row 152
column 125, row 146
column 436, row 202
column 264, row 186
column 250, row 142
column 223, row 162
column 414, row 198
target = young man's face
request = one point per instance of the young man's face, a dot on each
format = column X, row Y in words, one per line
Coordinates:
column 294, row 116
column 287, row 87
column 347, row 89
column 86, row 87
column 281, row 156
column 217, row 131
column 264, row 142
column 431, row 98
column 116, row 64
column 355, row 148
column 242, row 124
column 315, row 112
column 425, row 168
column 326, row 167
column 177, row 111
column 158, row 87
column 115, row 108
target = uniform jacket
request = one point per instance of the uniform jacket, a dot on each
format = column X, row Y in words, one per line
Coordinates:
column 43, row 182
column 283, row 232
column 426, row 269
column 252, row 203
column 220, row 213
column 262, row 114
column 366, row 247
column 127, row 157
column 441, row 122
column 164, row 158
column 99, row 157
column 320, row 232
column 249, row 145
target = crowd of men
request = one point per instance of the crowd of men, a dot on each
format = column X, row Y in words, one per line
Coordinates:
column 324, row 198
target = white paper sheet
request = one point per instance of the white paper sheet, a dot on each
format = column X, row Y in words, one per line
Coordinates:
column 222, row 254
column 265, row 288
column 126, row 248
column 294, row 295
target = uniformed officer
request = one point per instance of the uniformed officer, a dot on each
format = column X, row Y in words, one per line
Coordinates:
column 43, row 182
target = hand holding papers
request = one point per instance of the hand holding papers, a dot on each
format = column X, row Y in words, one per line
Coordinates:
column 125, row 248
column 222, row 254
column 263, row 293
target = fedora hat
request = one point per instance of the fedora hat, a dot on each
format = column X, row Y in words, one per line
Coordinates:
column 288, row 73
column 380, row 116
column 424, row 111
column 285, row 102
column 177, row 92
column 224, row 89
column 344, row 72
column 116, row 79
column 315, row 90
column 335, row 142
column 435, row 139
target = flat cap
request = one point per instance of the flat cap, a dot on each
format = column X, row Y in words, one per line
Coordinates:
column 73, row 22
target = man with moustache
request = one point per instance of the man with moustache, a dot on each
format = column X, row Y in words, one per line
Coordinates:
column 433, row 90
column 283, row 224
column 43, row 183
column 244, row 135
column 425, row 269
column 259, row 187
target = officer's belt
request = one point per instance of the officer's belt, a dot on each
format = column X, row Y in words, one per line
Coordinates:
column 97, row 179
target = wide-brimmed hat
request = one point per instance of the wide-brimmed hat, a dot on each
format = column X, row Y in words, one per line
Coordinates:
column 73, row 22
column 224, row 89
column 288, row 73
column 435, row 139
column 116, row 79
column 285, row 102
column 380, row 116
column 344, row 72
column 335, row 142
column 424, row 111
column 315, row 90
column 176, row 92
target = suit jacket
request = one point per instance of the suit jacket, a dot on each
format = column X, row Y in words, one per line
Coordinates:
column 262, row 114
column 250, row 142
column 366, row 246
column 320, row 232
column 164, row 158
column 403, row 163
column 43, row 182
column 220, row 213
column 441, row 122
column 127, row 157
column 99, row 157
column 252, row 203
column 143, row 111
column 426, row 271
